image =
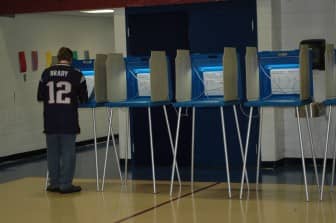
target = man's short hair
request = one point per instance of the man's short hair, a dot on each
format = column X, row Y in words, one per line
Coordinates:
column 64, row 53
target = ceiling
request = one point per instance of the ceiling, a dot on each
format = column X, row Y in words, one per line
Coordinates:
column 30, row 6
column 78, row 13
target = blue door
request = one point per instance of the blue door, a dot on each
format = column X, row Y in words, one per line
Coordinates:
column 202, row 28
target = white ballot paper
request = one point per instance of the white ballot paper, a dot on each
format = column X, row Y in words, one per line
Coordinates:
column 213, row 83
column 90, row 85
column 285, row 81
column 144, row 88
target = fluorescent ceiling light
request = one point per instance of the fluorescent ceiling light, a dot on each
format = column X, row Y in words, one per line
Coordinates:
column 101, row 11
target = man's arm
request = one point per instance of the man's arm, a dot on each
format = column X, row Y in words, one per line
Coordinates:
column 83, row 93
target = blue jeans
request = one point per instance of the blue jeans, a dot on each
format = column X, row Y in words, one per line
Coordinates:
column 61, row 156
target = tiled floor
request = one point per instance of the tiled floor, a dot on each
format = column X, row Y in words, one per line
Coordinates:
column 25, row 201
column 280, row 197
column 271, row 203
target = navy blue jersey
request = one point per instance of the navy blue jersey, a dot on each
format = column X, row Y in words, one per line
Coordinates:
column 61, row 89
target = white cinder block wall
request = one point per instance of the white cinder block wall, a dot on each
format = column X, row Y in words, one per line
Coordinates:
column 282, row 25
column 269, row 38
column 20, row 114
column 307, row 19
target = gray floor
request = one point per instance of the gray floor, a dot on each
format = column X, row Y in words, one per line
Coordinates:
column 85, row 166
column 36, row 167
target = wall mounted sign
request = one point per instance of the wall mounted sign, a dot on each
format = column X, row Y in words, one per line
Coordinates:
column 34, row 60
column 48, row 56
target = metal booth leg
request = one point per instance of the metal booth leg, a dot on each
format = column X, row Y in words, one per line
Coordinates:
column 302, row 154
column 107, row 146
column 175, row 151
column 126, row 151
column 259, row 145
column 151, row 149
column 312, row 148
column 117, row 159
column 193, row 148
column 240, row 142
column 171, row 142
column 225, row 152
column 46, row 181
column 246, row 151
column 95, row 145
column 325, row 152
column 333, row 170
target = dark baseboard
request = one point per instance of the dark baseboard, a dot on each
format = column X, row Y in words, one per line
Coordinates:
column 272, row 164
column 129, row 163
column 292, row 162
column 39, row 154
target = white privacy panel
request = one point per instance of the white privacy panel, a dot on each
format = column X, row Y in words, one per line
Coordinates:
column 116, row 77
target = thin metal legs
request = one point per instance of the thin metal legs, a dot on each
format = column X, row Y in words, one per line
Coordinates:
column 151, row 148
column 259, row 144
column 171, row 142
column 246, row 151
column 240, row 142
column 325, row 152
column 312, row 148
column 175, row 151
column 95, row 151
column 127, row 148
column 126, row 152
column 192, row 148
column 107, row 149
column 116, row 155
column 301, row 149
column 333, row 169
column 302, row 154
column 225, row 152
column 95, row 146
column 46, row 181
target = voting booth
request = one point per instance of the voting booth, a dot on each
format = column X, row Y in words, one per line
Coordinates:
column 139, row 82
column 202, row 77
column 329, row 102
column 94, row 73
column 279, row 79
column 203, row 81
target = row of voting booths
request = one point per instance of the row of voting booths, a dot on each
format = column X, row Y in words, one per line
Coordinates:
column 273, row 78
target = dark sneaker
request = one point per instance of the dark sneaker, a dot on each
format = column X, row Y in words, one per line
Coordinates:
column 52, row 188
column 71, row 189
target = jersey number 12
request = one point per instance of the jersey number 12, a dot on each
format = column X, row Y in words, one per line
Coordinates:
column 62, row 88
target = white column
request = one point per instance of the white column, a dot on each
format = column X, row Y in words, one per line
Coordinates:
column 120, row 47
column 269, row 38
column 315, row 20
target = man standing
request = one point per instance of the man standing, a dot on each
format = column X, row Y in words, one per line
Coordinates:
column 61, row 88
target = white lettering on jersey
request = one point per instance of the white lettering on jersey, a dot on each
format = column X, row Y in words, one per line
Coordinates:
column 59, row 73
